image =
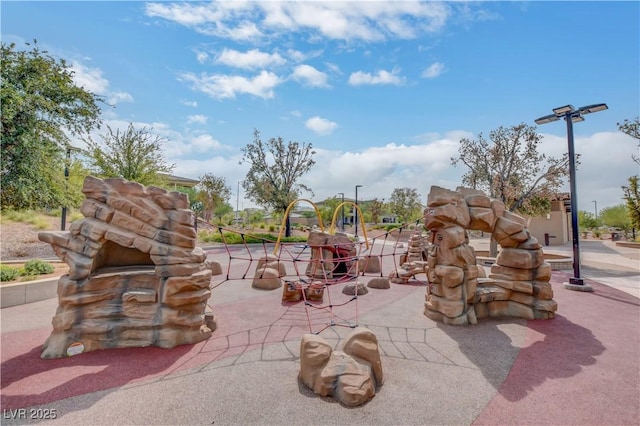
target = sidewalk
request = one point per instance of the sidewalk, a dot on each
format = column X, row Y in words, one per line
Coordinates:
column 583, row 367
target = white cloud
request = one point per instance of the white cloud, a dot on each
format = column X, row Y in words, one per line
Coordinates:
column 204, row 143
column 605, row 165
column 308, row 75
column 222, row 86
column 90, row 79
column 359, row 78
column 188, row 103
column 117, row 97
column 354, row 20
column 320, row 125
column 202, row 57
column 434, row 70
column 198, row 118
column 251, row 59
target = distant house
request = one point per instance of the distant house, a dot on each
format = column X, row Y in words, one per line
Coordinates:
column 555, row 227
column 176, row 181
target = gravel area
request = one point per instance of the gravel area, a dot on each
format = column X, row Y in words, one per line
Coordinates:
column 20, row 241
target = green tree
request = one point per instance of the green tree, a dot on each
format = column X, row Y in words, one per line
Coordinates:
column 327, row 210
column 586, row 220
column 631, row 128
column 509, row 167
column 632, row 198
column 616, row 217
column 405, row 203
column 213, row 192
column 134, row 154
column 376, row 208
column 275, row 168
column 41, row 108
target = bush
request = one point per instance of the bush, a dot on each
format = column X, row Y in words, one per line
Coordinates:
column 272, row 228
column 235, row 238
column 8, row 273
column 37, row 267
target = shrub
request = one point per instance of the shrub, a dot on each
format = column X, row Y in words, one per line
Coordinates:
column 272, row 228
column 235, row 238
column 37, row 267
column 8, row 273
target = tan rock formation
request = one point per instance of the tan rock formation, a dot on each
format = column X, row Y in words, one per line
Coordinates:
column 332, row 256
column 459, row 292
column 413, row 261
column 350, row 375
column 136, row 277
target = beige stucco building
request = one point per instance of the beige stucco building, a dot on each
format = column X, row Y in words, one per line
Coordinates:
column 554, row 228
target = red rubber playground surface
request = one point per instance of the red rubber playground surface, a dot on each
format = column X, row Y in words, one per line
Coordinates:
column 583, row 367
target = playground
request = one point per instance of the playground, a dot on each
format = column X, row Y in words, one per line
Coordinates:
column 504, row 370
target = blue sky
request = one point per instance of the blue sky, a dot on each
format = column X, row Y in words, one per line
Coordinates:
column 383, row 90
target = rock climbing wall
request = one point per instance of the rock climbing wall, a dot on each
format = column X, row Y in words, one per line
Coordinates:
column 136, row 277
column 518, row 285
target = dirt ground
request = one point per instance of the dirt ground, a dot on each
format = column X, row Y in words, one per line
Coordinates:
column 19, row 241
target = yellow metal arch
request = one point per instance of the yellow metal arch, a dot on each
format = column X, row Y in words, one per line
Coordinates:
column 335, row 216
column 333, row 221
column 286, row 214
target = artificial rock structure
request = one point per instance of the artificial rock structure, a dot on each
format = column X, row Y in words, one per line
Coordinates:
column 136, row 277
column 518, row 284
column 351, row 376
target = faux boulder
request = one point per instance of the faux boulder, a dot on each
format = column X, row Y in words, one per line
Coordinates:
column 459, row 292
column 136, row 277
column 351, row 375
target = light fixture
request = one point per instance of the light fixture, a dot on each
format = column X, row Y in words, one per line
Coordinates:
column 592, row 108
column 572, row 115
column 563, row 109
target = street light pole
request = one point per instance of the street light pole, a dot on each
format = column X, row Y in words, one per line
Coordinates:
column 63, row 218
column 342, row 211
column 237, row 203
column 571, row 115
column 355, row 210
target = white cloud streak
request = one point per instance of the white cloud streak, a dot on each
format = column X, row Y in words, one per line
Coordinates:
column 222, row 86
column 251, row 59
column 355, row 20
column 434, row 70
column 309, row 76
column 320, row 125
column 360, row 78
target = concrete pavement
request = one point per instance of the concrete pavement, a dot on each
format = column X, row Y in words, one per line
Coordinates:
column 583, row 367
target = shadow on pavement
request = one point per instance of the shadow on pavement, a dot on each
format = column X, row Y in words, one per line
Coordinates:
column 28, row 380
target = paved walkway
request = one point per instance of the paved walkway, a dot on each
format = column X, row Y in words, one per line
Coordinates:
column 583, row 367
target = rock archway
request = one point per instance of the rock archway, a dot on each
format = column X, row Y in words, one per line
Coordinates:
column 518, row 284
column 136, row 277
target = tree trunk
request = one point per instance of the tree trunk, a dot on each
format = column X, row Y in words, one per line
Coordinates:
column 287, row 227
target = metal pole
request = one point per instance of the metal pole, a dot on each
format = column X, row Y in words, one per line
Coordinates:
column 237, row 203
column 63, row 218
column 355, row 212
column 596, row 208
column 576, row 280
column 342, row 212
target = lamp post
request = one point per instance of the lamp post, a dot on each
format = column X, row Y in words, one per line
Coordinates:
column 355, row 210
column 342, row 211
column 237, row 204
column 572, row 115
column 63, row 218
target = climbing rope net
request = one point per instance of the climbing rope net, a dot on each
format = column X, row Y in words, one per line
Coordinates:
column 311, row 272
